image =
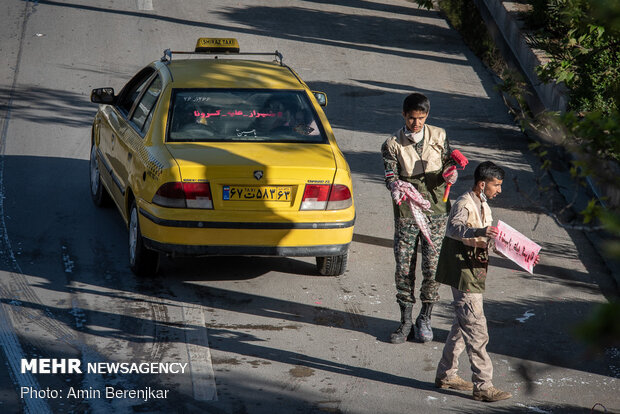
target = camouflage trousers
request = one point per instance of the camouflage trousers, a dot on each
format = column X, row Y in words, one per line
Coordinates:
column 407, row 237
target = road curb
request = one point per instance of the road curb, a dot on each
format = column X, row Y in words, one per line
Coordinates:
column 508, row 36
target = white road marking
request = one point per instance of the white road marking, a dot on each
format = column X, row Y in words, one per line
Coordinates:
column 199, row 354
column 527, row 315
column 145, row 4
column 14, row 355
column 9, row 341
column 534, row 409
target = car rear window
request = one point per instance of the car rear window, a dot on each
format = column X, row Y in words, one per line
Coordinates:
column 243, row 115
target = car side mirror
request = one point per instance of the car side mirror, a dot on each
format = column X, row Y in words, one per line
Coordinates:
column 103, row 96
column 321, row 98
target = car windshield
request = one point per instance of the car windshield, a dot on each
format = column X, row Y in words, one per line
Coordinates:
column 243, row 115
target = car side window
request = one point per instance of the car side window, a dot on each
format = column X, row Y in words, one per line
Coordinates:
column 132, row 90
column 143, row 113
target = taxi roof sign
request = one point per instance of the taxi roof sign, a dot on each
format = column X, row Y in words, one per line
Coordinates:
column 217, row 45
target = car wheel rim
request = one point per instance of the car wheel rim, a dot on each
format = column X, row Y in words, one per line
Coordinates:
column 94, row 171
column 133, row 236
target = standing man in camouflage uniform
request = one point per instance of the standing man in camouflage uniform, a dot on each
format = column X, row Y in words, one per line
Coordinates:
column 418, row 154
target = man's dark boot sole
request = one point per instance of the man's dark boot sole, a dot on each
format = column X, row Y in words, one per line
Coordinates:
column 401, row 338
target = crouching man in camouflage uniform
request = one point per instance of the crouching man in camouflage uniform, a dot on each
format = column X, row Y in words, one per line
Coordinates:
column 418, row 154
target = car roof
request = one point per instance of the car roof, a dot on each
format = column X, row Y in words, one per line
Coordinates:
column 232, row 73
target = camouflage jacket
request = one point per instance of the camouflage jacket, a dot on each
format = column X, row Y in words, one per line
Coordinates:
column 421, row 164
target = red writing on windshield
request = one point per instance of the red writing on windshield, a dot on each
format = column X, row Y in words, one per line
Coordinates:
column 253, row 114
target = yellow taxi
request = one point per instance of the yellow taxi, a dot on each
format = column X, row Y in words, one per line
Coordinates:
column 217, row 153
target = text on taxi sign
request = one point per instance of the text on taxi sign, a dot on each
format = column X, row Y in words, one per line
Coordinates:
column 210, row 44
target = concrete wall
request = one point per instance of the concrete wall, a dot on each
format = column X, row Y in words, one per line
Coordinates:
column 508, row 36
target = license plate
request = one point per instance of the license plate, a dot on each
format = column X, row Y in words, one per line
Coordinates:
column 249, row 193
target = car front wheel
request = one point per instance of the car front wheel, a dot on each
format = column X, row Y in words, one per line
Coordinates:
column 332, row 265
column 98, row 192
column 142, row 261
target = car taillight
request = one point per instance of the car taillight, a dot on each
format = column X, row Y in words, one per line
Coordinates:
column 315, row 197
column 184, row 195
column 323, row 196
column 339, row 198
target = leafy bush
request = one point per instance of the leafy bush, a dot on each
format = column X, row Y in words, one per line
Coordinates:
column 584, row 53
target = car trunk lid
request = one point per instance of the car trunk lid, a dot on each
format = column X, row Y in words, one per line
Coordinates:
column 255, row 176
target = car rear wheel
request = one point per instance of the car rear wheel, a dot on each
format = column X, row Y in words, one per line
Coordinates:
column 98, row 192
column 332, row 265
column 142, row 261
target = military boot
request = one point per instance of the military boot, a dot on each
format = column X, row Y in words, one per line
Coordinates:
column 491, row 395
column 423, row 330
column 400, row 335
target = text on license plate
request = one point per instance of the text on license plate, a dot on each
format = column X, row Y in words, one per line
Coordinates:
column 268, row 193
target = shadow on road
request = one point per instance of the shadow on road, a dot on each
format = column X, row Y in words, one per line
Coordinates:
column 51, row 216
column 64, row 244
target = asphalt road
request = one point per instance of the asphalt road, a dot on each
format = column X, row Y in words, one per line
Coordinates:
column 268, row 335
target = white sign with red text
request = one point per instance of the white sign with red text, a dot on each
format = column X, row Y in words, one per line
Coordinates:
column 516, row 246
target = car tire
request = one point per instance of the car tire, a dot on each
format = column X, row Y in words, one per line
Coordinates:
column 142, row 261
column 98, row 192
column 332, row 265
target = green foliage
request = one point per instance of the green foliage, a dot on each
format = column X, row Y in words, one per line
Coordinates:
column 513, row 85
column 607, row 13
column 611, row 221
column 596, row 133
column 427, row 4
column 591, row 212
column 602, row 329
column 584, row 51
column 582, row 38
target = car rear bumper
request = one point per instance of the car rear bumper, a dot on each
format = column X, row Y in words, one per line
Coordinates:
column 237, row 250
column 245, row 225
column 265, row 238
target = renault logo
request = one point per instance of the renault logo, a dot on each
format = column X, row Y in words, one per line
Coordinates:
column 258, row 174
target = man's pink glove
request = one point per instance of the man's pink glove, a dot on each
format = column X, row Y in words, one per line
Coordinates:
column 450, row 175
column 398, row 194
column 402, row 190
